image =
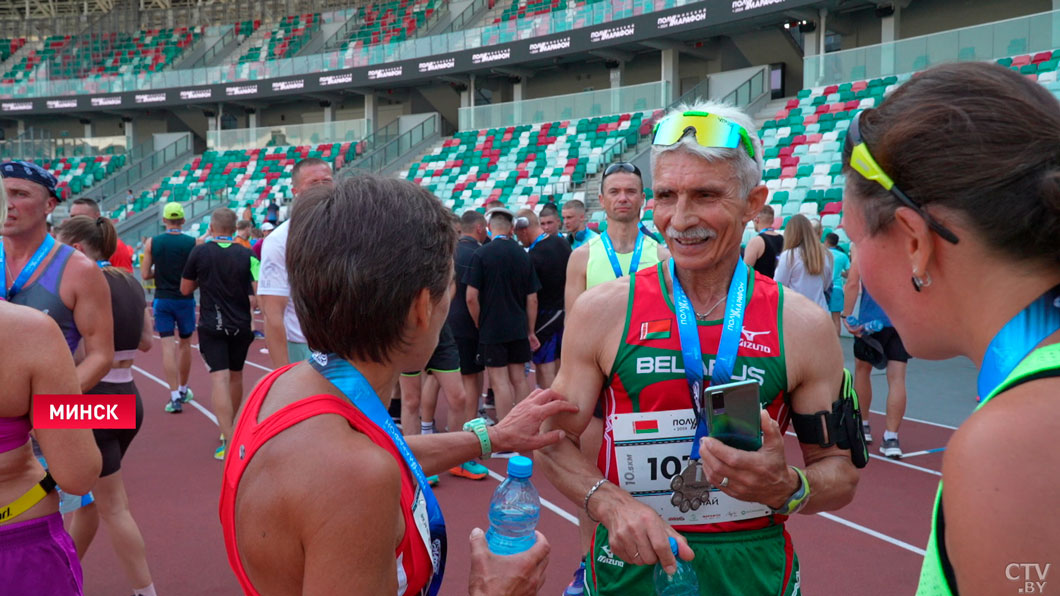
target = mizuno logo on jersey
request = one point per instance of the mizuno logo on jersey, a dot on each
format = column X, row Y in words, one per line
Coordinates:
column 749, row 341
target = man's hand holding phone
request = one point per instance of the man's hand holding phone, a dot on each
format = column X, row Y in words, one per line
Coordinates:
column 761, row 476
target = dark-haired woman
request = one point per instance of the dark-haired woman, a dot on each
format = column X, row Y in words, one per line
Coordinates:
column 321, row 493
column 97, row 239
column 953, row 199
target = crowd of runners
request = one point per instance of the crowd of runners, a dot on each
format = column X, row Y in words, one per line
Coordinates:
column 546, row 336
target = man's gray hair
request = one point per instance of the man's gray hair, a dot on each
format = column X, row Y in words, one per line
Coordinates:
column 748, row 171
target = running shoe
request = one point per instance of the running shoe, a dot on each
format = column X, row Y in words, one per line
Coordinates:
column 483, row 414
column 868, row 432
column 174, row 406
column 219, row 453
column 258, row 334
column 432, row 480
column 489, row 402
column 470, row 470
column 891, row 448
column 577, row 585
column 186, row 396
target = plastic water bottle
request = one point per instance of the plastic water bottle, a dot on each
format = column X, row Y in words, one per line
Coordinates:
column 514, row 510
column 682, row 583
column 869, row 327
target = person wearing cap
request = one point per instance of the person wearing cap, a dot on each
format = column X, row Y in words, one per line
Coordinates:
column 881, row 349
column 626, row 343
column 164, row 259
column 61, row 282
column 502, row 291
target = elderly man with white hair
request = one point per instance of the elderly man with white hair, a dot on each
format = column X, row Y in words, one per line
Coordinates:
column 648, row 344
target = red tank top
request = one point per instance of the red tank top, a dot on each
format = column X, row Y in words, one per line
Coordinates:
column 414, row 567
column 648, row 376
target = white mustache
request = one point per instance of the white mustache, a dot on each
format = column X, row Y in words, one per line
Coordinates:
column 691, row 234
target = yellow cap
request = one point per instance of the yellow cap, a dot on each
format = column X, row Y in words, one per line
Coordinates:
column 173, row 211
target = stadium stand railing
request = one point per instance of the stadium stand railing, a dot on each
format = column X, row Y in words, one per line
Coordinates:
column 1010, row 37
column 389, row 149
column 287, row 134
column 144, row 163
column 554, row 22
column 585, row 104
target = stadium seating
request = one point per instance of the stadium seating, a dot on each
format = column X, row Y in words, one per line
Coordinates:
column 520, row 9
column 285, row 40
column 803, row 143
column 10, row 46
column 383, row 22
column 248, row 177
column 521, row 164
column 78, row 174
column 106, row 55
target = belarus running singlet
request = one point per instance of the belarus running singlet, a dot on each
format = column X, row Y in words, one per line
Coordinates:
column 43, row 295
column 937, row 577
column 414, row 566
column 649, row 419
column 598, row 268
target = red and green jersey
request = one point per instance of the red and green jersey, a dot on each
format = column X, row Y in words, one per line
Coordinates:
column 648, row 375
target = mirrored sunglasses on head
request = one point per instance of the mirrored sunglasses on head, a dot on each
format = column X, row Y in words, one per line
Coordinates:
column 709, row 130
column 622, row 166
column 862, row 162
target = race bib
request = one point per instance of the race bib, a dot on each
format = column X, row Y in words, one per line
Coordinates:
column 653, row 447
column 423, row 526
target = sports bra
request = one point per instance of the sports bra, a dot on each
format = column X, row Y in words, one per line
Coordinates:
column 14, row 432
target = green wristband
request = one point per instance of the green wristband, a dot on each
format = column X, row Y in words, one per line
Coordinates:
column 798, row 499
column 478, row 426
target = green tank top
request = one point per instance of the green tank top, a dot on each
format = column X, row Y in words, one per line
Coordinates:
column 936, row 576
column 598, row 269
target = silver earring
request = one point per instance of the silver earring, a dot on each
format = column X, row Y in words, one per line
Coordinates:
column 918, row 283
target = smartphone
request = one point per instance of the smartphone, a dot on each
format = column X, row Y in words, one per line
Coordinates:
column 733, row 414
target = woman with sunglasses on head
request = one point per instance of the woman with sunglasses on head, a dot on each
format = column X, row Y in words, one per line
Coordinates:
column 97, row 239
column 953, row 199
column 37, row 556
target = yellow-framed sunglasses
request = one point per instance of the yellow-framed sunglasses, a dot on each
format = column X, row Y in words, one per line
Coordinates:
column 863, row 163
column 709, row 130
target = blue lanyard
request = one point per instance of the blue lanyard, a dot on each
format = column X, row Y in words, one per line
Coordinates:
column 222, row 238
column 355, row 387
column 634, row 263
column 103, row 263
column 1018, row 338
column 692, row 352
column 767, row 230
column 27, row 271
column 534, row 243
column 175, row 231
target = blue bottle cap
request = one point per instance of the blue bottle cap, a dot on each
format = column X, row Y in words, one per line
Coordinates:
column 673, row 545
column 520, row 466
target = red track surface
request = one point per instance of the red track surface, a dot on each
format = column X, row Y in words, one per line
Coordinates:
column 173, row 484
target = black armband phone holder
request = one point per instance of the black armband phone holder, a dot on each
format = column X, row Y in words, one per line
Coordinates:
column 840, row 427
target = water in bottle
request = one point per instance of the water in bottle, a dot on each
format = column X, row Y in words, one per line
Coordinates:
column 514, row 510
column 868, row 326
column 683, row 582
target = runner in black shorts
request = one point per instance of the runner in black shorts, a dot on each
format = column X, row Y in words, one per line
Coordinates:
column 97, row 238
column 419, row 399
column 226, row 275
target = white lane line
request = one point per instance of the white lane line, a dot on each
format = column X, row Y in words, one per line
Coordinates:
column 873, row 533
column 924, row 452
column 927, row 422
column 548, row 504
column 194, row 403
column 892, row 461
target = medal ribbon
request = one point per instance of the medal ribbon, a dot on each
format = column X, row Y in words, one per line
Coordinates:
column 356, row 388
column 692, row 352
column 536, row 240
column 609, row 248
column 27, row 271
column 1018, row 338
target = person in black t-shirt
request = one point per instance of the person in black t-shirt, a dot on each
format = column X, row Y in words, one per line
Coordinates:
column 225, row 273
column 502, row 299
column 472, row 235
column 549, row 255
column 764, row 249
